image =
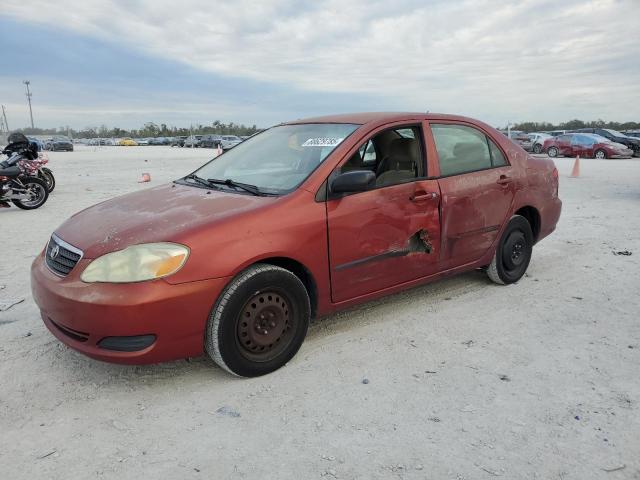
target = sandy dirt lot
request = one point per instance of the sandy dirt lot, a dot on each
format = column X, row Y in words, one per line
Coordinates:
column 466, row 379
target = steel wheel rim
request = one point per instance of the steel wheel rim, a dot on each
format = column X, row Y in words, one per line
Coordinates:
column 265, row 326
column 553, row 152
column 514, row 251
column 600, row 154
column 37, row 192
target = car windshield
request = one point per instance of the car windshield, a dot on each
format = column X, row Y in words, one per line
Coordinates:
column 598, row 138
column 615, row 133
column 279, row 159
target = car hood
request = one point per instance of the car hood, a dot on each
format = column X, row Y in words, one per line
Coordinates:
column 167, row 213
column 618, row 146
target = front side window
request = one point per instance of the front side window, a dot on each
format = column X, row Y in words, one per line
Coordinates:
column 461, row 149
column 394, row 155
column 280, row 158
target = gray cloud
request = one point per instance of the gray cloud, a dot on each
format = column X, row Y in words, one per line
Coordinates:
column 497, row 60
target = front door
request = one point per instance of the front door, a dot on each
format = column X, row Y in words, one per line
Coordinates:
column 390, row 234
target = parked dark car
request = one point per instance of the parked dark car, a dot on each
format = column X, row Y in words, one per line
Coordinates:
column 37, row 142
column 585, row 145
column 632, row 133
column 58, row 144
column 178, row 141
column 159, row 141
column 210, row 141
column 192, row 141
column 615, row 136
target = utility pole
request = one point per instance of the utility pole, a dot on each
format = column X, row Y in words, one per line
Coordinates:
column 27, row 82
column 4, row 116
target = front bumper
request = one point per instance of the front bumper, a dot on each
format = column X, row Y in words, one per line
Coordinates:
column 166, row 322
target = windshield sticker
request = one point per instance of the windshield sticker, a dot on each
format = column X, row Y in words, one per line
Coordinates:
column 322, row 142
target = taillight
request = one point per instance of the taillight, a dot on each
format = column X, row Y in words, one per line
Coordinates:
column 555, row 176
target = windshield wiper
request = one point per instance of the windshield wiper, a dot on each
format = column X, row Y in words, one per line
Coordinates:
column 200, row 180
column 242, row 186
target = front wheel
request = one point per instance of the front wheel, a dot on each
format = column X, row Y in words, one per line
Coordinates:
column 47, row 176
column 35, row 189
column 552, row 152
column 513, row 254
column 601, row 154
column 259, row 321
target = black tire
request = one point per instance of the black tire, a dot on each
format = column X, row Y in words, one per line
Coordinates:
column 47, row 176
column 600, row 154
column 39, row 187
column 537, row 148
column 275, row 304
column 513, row 254
column 552, row 152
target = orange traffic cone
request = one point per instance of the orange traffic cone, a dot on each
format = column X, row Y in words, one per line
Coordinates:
column 575, row 173
column 145, row 178
column 219, row 150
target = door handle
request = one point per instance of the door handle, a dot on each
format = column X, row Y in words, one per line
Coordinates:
column 504, row 180
column 423, row 196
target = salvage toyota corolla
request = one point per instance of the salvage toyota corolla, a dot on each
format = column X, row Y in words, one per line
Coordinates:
column 298, row 221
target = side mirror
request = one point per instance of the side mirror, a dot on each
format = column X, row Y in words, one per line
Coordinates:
column 354, row 181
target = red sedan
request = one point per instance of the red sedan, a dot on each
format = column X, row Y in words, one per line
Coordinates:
column 299, row 221
column 585, row 145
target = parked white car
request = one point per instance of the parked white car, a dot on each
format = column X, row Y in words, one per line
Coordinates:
column 229, row 141
column 537, row 141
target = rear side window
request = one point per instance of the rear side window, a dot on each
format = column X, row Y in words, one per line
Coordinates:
column 497, row 157
column 461, row 149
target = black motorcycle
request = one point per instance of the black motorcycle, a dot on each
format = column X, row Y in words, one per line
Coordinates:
column 24, row 191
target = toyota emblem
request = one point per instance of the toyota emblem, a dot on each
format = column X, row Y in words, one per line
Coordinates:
column 54, row 252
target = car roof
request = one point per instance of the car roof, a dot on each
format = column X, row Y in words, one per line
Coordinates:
column 364, row 118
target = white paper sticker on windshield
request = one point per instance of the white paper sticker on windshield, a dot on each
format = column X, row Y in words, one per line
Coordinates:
column 322, row 142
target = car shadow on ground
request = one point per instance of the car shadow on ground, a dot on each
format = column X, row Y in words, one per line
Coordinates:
column 77, row 368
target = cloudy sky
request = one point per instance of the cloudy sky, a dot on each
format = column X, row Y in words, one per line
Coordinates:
column 122, row 63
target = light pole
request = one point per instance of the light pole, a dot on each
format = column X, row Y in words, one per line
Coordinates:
column 27, row 82
column 4, row 116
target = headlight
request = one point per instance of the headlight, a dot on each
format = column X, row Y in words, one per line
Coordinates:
column 137, row 263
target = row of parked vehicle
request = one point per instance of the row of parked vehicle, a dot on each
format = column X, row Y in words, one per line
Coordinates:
column 191, row 141
column 586, row 142
column 54, row 144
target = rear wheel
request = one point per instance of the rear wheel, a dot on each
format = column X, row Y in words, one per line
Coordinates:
column 537, row 148
column 37, row 191
column 513, row 254
column 258, row 322
column 552, row 152
column 601, row 154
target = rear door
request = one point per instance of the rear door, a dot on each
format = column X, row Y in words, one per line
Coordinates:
column 564, row 145
column 390, row 234
column 477, row 189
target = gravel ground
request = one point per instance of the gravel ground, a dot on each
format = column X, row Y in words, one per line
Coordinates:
column 460, row 379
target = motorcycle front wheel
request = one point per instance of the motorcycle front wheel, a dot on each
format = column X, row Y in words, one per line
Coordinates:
column 47, row 176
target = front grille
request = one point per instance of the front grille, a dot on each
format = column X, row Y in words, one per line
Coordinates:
column 61, row 257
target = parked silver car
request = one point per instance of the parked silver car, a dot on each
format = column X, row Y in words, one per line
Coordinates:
column 229, row 141
column 537, row 141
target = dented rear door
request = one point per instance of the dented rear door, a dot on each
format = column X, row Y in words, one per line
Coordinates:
column 383, row 237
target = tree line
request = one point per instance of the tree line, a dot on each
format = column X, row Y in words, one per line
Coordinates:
column 150, row 129
column 573, row 125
